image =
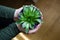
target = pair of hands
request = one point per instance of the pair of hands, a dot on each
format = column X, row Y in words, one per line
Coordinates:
column 17, row 11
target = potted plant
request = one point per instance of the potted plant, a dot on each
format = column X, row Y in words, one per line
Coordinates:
column 29, row 17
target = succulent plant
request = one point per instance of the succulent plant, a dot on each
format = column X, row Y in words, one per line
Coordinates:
column 29, row 17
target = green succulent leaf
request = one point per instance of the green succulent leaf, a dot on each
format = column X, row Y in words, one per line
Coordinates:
column 26, row 10
column 31, row 8
column 38, row 20
column 32, row 23
column 27, row 27
column 37, row 13
column 22, row 16
column 34, row 9
column 21, row 22
column 31, row 27
column 24, row 24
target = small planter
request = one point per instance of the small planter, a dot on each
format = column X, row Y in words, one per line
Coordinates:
column 29, row 17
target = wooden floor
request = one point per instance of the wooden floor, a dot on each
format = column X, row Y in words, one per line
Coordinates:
column 50, row 29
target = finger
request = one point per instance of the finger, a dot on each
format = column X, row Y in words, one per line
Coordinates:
column 19, row 10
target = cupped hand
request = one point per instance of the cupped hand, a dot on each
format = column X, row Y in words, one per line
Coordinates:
column 17, row 11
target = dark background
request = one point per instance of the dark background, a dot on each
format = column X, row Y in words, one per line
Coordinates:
column 15, row 3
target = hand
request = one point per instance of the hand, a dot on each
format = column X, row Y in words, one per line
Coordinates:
column 17, row 11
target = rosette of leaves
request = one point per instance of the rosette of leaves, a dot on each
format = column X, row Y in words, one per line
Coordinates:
column 29, row 17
